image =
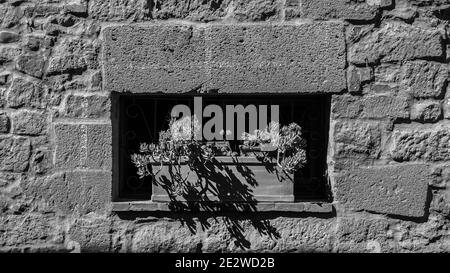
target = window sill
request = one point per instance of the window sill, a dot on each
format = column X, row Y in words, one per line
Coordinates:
column 308, row 207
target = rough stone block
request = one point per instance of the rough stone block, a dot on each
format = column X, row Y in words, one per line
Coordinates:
column 424, row 79
column 77, row 9
column 31, row 64
column 83, row 146
column 92, row 234
column 196, row 10
column 357, row 139
column 14, row 154
column 73, row 192
column 356, row 76
column 343, row 9
column 446, row 108
column 72, row 55
column 118, row 10
column 304, row 235
column 8, row 37
column 29, row 123
column 399, row 42
column 370, row 107
column 257, row 10
column 91, row 106
column 34, row 43
column 362, row 235
column 5, row 123
column 421, row 142
column 23, row 93
column 28, row 229
column 426, row 111
column 99, row 150
column 70, row 146
column 158, row 58
column 9, row 54
column 304, row 58
column 41, row 10
column 396, row 190
column 144, row 239
column 11, row 17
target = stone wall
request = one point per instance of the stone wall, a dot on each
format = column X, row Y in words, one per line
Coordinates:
column 384, row 62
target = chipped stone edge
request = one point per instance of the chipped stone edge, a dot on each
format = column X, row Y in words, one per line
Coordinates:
column 308, row 207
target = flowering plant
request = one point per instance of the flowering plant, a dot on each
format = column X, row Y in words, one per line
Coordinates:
column 175, row 145
column 287, row 141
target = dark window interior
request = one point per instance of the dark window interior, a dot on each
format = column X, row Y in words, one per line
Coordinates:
column 140, row 118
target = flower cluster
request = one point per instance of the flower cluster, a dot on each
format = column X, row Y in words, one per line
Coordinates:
column 288, row 141
column 175, row 145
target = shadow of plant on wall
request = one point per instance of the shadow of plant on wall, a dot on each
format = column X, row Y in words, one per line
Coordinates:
column 231, row 196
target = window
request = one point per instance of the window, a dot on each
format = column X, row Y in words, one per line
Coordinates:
column 140, row 118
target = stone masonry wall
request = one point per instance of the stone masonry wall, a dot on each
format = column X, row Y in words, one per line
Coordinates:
column 384, row 62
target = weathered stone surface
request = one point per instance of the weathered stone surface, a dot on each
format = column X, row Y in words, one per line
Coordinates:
column 196, row 10
column 395, row 41
column 99, row 150
column 4, row 78
column 424, row 3
column 92, row 234
column 357, row 230
column 303, row 235
column 41, row 160
column 425, row 79
column 370, row 107
column 91, row 106
column 397, row 190
column 342, row 9
column 73, row 55
column 24, row 93
column 83, row 146
column 73, row 192
column 421, row 79
column 257, row 10
column 9, row 54
column 29, row 229
column 8, row 37
column 356, row 76
column 29, row 122
column 117, row 10
column 31, row 64
column 77, row 9
column 156, row 58
column 292, row 9
column 11, row 17
column 426, row 111
column 358, row 234
column 96, row 80
column 360, row 139
column 287, row 235
column 421, row 142
column 5, row 124
column 7, row 179
column 35, row 43
column 306, row 58
column 14, row 154
column 41, row 10
column 144, row 239
column 446, row 108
